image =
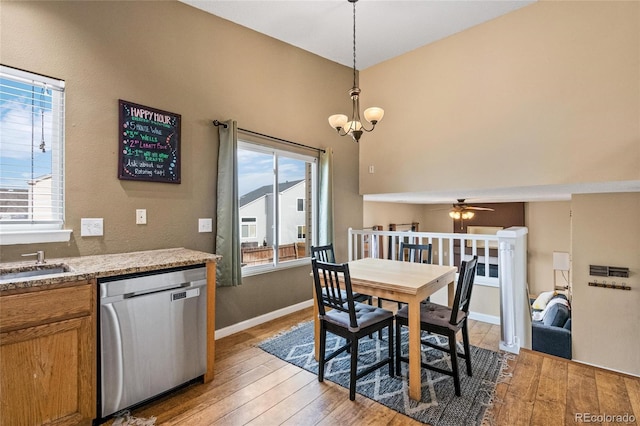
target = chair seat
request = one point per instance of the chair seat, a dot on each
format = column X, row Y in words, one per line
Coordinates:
column 365, row 314
column 435, row 314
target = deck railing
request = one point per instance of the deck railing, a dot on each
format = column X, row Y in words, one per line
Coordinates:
column 448, row 249
column 502, row 263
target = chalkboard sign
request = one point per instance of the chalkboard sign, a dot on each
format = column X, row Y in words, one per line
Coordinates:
column 149, row 144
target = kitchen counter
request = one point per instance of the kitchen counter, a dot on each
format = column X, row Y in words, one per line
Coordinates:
column 98, row 266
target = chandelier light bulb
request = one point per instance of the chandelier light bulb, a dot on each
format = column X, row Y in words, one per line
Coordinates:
column 338, row 121
column 373, row 114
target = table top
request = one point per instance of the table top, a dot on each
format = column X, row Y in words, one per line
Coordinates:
column 403, row 277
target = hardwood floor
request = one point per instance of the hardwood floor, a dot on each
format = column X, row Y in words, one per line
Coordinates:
column 254, row 388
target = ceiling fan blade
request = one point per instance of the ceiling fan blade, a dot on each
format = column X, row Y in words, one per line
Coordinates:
column 479, row 208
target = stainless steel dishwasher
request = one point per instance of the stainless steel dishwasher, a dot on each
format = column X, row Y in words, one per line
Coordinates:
column 152, row 335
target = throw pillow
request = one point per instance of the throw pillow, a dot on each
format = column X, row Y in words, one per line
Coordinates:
column 542, row 300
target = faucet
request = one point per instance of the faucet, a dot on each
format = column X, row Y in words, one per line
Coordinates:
column 40, row 253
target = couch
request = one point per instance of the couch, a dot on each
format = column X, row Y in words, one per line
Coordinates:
column 552, row 334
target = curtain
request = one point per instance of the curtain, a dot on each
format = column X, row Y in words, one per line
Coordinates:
column 325, row 198
column 229, row 271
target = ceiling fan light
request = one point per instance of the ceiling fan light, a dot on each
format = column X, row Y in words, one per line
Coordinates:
column 337, row 121
column 467, row 215
column 373, row 115
column 454, row 215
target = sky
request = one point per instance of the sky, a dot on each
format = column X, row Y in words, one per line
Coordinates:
column 255, row 169
column 22, row 131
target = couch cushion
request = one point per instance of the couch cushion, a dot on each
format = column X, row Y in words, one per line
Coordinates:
column 556, row 315
column 541, row 301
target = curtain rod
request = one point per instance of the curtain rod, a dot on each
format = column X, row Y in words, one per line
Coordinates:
column 218, row 123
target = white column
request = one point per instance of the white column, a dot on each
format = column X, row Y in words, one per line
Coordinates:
column 515, row 315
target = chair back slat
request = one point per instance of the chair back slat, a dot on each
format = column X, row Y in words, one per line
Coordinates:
column 333, row 288
column 418, row 253
column 324, row 253
column 463, row 289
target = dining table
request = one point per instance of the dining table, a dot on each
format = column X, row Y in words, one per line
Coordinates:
column 405, row 282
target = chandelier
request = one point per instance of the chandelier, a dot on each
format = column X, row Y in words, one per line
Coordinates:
column 353, row 126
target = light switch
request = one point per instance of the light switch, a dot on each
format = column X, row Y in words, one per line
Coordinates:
column 141, row 216
column 91, row 227
column 205, row 225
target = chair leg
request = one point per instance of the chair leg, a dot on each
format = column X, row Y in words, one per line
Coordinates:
column 391, row 363
column 354, row 369
column 398, row 347
column 454, row 362
column 323, row 342
column 467, row 351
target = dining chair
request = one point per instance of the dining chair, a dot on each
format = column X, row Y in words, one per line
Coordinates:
column 326, row 254
column 417, row 253
column 445, row 321
column 345, row 317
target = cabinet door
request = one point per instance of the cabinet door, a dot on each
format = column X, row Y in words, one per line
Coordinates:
column 44, row 376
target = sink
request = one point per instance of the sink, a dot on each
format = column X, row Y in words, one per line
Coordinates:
column 34, row 271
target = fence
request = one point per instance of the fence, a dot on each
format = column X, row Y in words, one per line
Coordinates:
column 264, row 254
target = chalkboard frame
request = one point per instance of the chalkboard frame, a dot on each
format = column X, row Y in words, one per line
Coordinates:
column 123, row 139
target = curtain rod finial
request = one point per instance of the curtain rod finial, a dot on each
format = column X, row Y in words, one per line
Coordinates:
column 217, row 123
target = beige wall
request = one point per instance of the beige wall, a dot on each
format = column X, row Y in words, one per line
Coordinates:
column 170, row 56
column 547, row 94
column 605, row 322
column 549, row 226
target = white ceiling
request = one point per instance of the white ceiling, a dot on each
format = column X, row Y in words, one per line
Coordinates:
column 386, row 29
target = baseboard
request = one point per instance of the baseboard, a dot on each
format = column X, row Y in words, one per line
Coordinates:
column 244, row 325
column 491, row 319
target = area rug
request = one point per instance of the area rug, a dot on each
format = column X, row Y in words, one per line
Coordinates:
column 439, row 405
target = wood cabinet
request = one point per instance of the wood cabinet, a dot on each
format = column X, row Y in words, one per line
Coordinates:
column 48, row 355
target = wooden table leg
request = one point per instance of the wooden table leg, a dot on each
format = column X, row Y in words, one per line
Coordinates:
column 451, row 293
column 415, row 383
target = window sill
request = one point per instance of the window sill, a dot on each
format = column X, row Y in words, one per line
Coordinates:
column 35, row 237
column 264, row 269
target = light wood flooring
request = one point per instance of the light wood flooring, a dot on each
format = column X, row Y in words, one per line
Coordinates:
column 252, row 387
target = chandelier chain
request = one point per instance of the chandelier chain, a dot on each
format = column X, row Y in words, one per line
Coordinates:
column 354, row 44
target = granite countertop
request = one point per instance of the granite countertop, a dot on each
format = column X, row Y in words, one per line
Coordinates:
column 98, row 266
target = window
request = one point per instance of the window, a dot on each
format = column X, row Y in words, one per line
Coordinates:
column 248, row 229
column 275, row 186
column 31, row 158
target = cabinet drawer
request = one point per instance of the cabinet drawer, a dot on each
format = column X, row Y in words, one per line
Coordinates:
column 31, row 309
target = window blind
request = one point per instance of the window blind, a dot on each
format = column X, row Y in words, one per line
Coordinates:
column 31, row 149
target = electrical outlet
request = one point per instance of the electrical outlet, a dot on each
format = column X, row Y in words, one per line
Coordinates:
column 141, row 217
column 91, row 227
column 205, row 225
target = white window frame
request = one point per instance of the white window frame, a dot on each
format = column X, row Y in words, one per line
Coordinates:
column 304, row 234
column 298, row 204
column 269, row 267
column 42, row 231
column 253, row 223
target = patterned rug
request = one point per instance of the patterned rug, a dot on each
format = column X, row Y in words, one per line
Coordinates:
column 439, row 405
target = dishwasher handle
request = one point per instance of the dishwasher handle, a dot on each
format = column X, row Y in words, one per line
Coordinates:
column 185, row 294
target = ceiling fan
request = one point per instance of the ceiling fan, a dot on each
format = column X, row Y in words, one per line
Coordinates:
column 463, row 211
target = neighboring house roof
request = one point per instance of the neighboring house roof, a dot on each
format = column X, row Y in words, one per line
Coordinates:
column 264, row 190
